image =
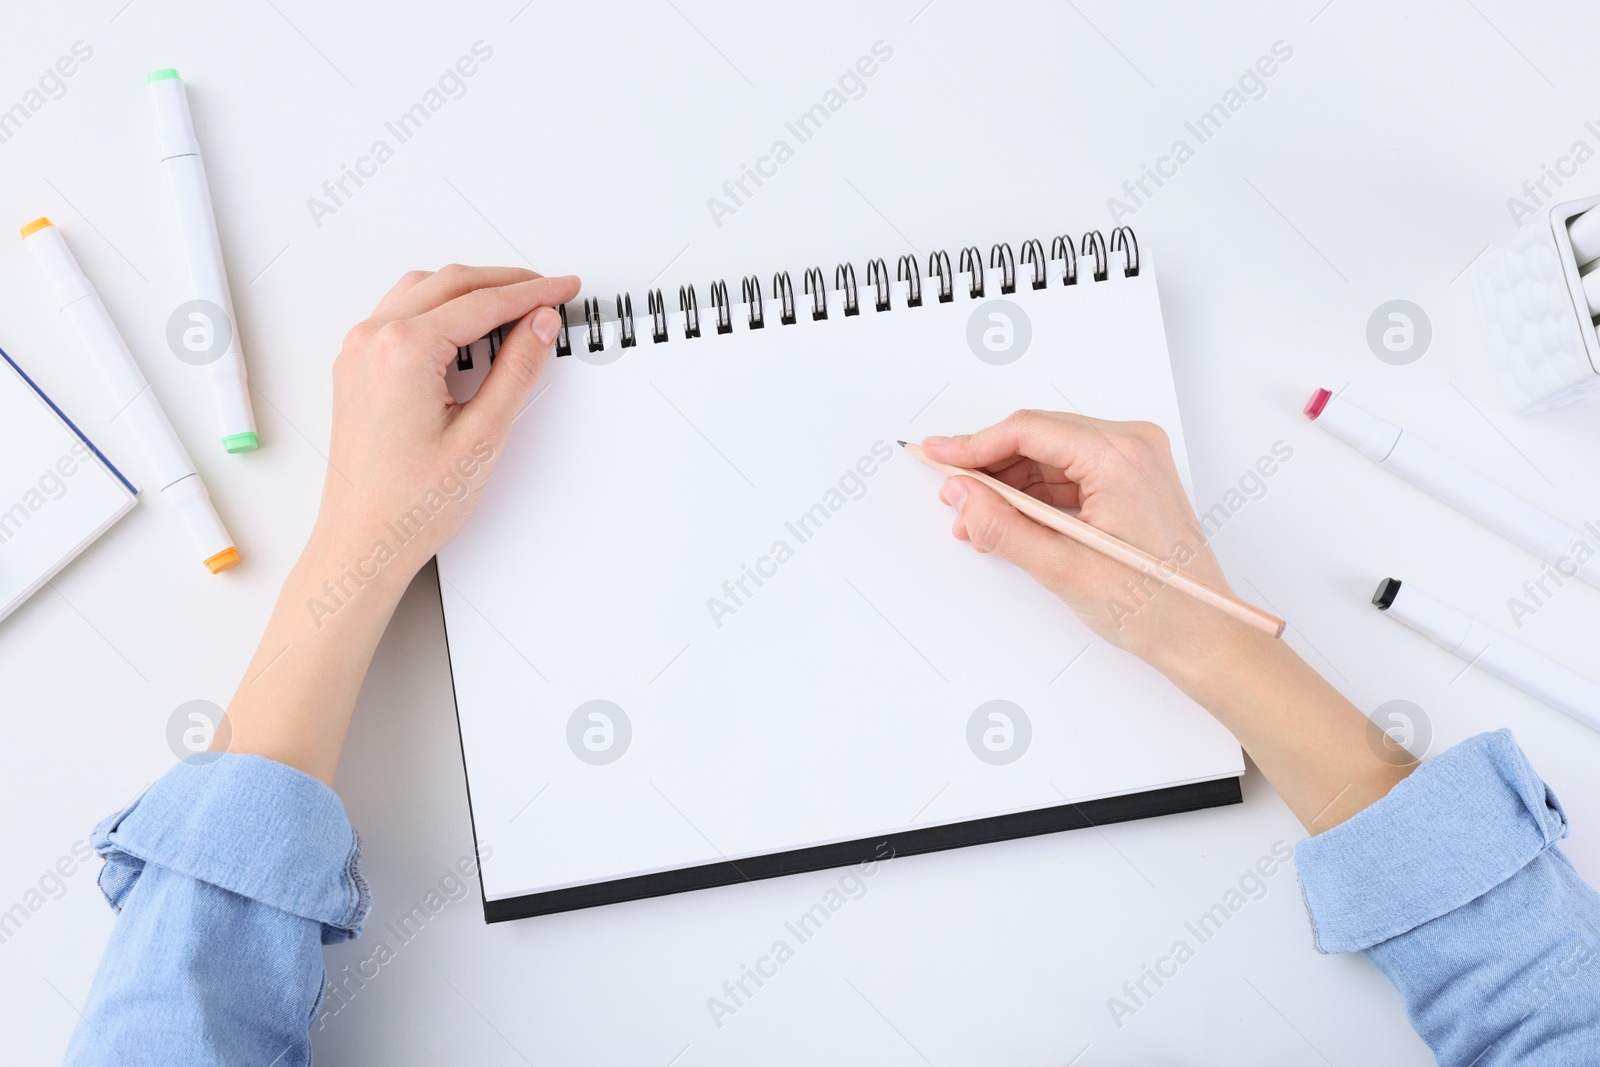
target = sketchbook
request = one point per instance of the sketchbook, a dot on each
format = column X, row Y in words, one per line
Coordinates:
column 57, row 492
column 709, row 623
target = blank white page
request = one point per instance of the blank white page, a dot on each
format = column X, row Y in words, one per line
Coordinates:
column 831, row 701
column 56, row 494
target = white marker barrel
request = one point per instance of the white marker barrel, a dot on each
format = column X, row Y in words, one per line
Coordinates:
column 193, row 503
column 1498, row 653
column 1507, row 514
column 1373, row 437
column 202, row 251
column 1585, row 233
column 1476, row 497
column 171, row 469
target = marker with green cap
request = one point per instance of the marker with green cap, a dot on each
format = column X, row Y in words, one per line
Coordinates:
column 203, row 330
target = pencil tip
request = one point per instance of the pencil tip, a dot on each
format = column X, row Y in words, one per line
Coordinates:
column 902, row 444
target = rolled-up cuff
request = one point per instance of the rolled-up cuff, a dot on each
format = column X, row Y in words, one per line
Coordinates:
column 246, row 824
column 1458, row 826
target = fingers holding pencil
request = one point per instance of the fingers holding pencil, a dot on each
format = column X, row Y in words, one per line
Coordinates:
column 1134, row 537
column 1055, row 439
column 1038, row 480
column 993, row 526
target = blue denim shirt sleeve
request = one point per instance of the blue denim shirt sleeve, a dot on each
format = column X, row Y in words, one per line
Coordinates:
column 1454, row 887
column 229, row 874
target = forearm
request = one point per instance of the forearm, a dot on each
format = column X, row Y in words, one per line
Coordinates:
column 1322, row 755
column 1454, row 886
column 296, row 698
column 229, row 875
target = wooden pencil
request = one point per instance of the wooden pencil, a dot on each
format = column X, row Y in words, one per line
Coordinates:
column 1116, row 548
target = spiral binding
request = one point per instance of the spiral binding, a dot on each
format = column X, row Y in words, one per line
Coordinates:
column 496, row 337
column 878, row 278
column 750, row 291
column 972, row 263
column 907, row 272
column 1068, row 257
column 844, row 279
column 658, row 322
column 782, row 287
column 625, row 320
column 1093, row 242
column 689, row 304
column 1093, row 247
column 591, row 318
column 939, row 265
column 817, row 290
column 1000, row 256
column 1033, row 253
column 724, row 309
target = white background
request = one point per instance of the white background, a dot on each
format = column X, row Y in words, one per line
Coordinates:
column 1376, row 166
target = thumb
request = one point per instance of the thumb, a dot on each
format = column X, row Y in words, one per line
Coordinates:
column 995, row 527
column 517, row 366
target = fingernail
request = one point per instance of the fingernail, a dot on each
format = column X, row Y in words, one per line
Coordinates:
column 935, row 440
column 954, row 493
column 546, row 324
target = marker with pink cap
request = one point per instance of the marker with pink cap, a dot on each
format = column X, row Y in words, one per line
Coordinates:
column 1574, row 552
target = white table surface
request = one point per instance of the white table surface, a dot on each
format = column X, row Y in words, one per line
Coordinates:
column 1376, row 166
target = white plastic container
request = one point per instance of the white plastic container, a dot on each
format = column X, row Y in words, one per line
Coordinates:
column 1541, row 334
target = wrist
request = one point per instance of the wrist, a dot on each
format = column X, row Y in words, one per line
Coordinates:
column 1215, row 658
column 347, row 563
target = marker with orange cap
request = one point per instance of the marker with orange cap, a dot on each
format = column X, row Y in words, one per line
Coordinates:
column 170, row 466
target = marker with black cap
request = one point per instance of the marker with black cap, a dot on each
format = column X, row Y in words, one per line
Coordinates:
column 1500, row 654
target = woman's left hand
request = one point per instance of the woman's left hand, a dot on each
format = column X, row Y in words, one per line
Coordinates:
column 404, row 453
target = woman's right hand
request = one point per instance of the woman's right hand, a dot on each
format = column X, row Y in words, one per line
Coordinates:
column 1325, row 758
column 1121, row 478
